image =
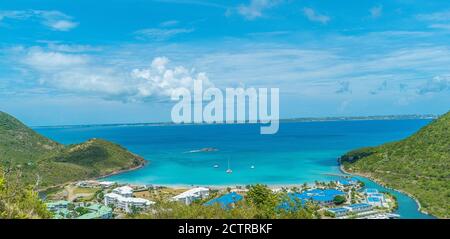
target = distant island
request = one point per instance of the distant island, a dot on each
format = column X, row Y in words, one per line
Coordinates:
column 203, row 150
column 303, row 119
column 376, row 117
column 46, row 163
column 418, row 165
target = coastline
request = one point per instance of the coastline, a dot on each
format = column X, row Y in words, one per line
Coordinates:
column 122, row 170
column 419, row 206
column 95, row 178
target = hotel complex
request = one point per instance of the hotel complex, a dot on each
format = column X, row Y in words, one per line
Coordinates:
column 191, row 195
column 343, row 198
column 122, row 198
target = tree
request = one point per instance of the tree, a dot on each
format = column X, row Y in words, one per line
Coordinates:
column 81, row 210
column 264, row 200
column 70, row 206
column 305, row 186
column 339, row 199
column 18, row 200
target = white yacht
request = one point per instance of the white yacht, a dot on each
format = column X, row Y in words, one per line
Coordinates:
column 229, row 169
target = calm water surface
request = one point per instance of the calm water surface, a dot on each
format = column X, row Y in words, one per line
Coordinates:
column 299, row 152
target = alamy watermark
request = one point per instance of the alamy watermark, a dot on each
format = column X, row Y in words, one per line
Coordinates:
column 237, row 105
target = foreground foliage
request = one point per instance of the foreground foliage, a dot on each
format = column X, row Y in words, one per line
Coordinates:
column 418, row 165
column 19, row 201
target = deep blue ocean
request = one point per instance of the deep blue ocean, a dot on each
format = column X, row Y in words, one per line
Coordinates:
column 300, row 152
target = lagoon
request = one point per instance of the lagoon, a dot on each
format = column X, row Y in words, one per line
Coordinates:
column 300, row 152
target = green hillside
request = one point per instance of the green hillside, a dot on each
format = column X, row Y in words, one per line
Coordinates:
column 21, row 144
column 418, row 165
column 39, row 158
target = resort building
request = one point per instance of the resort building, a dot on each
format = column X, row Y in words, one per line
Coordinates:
column 375, row 201
column 58, row 205
column 125, row 191
column 191, row 195
column 226, row 201
column 97, row 211
column 374, row 198
column 63, row 213
column 324, row 197
column 59, row 209
column 359, row 207
column 106, row 184
column 347, row 182
column 339, row 211
column 369, row 191
column 87, row 184
column 239, row 190
column 126, row 203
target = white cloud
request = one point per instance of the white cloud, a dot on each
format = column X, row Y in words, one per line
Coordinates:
column 62, row 25
column 159, row 79
column 437, row 16
column 69, row 48
column 159, row 34
column 255, row 8
column 437, row 20
column 86, row 75
column 18, row 15
column 48, row 60
column 54, row 20
column 339, row 65
column 440, row 26
column 170, row 23
column 376, row 12
column 315, row 17
column 435, row 85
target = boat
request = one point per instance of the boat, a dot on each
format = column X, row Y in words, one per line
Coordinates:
column 252, row 167
column 216, row 166
column 229, row 169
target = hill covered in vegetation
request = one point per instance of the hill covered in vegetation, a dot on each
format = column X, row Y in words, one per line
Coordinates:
column 418, row 165
column 43, row 161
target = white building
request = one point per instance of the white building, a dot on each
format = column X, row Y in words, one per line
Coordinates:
column 339, row 211
column 126, row 203
column 191, row 195
column 87, row 184
column 125, row 191
column 106, row 184
column 359, row 207
column 58, row 205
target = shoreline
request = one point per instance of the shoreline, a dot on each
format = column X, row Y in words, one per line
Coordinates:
column 212, row 186
column 419, row 206
column 122, row 171
column 94, row 178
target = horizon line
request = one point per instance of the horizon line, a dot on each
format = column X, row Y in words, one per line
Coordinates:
column 289, row 120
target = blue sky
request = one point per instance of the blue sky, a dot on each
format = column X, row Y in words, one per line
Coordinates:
column 84, row 62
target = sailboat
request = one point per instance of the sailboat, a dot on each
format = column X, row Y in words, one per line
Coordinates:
column 229, row 169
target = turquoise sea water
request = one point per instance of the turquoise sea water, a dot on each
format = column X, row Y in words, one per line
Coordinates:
column 300, row 152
